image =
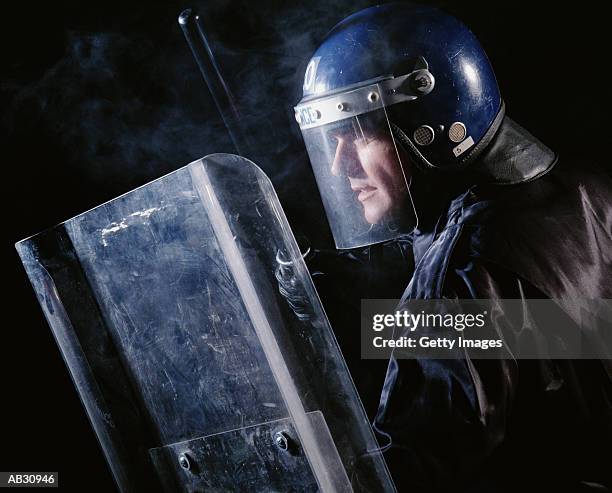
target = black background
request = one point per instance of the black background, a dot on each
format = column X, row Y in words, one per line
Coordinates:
column 100, row 97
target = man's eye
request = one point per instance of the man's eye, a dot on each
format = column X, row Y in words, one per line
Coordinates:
column 365, row 140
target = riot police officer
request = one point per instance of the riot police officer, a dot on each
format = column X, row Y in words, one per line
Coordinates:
column 407, row 135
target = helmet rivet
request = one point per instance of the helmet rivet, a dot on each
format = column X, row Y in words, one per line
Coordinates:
column 317, row 115
column 422, row 82
column 341, row 106
column 373, row 97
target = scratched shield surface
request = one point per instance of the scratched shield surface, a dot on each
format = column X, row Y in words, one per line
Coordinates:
column 174, row 310
column 190, row 363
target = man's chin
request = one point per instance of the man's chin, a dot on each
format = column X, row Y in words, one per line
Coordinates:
column 379, row 213
column 373, row 217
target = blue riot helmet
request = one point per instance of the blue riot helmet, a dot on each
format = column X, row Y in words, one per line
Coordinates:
column 391, row 86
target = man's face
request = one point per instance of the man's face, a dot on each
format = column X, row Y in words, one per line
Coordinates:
column 375, row 174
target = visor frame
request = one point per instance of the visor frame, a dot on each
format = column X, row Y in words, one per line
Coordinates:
column 362, row 98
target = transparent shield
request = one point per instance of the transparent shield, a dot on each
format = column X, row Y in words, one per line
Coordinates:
column 195, row 373
column 363, row 179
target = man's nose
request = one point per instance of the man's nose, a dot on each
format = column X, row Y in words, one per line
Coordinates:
column 346, row 161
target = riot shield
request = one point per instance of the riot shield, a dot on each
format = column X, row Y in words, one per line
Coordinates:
column 195, row 373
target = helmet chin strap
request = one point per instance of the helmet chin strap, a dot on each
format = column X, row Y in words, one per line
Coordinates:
column 470, row 156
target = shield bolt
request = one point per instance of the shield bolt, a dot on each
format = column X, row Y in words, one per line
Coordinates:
column 282, row 440
column 184, row 462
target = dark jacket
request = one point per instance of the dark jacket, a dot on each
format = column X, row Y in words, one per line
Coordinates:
column 529, row 226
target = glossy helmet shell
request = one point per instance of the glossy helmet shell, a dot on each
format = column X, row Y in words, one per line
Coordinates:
column 389, row 40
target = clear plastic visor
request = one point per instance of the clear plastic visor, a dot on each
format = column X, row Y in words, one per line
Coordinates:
column 363, row 178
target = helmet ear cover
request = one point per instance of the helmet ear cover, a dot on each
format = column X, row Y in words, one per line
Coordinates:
column 469, row 157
